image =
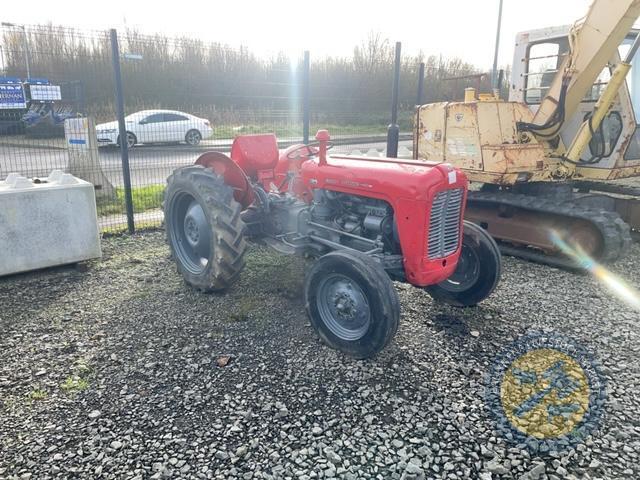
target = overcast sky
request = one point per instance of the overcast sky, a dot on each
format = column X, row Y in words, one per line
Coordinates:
column 463, row 28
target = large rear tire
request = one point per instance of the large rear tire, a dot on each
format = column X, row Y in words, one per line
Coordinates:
column 204, row 228
column 352, row 304
column 478, row 271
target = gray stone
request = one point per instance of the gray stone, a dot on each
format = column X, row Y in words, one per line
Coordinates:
column 397, row 443
column 333, row 457
column 534, row 473
column 494, row 466
column 595, row 463
column 220, row 455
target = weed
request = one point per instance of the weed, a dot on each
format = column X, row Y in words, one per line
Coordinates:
column 83, row 368
column 74, row 383
column 38, row 394
column 244, row 307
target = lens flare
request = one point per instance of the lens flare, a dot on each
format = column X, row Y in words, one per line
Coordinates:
column 615, row 284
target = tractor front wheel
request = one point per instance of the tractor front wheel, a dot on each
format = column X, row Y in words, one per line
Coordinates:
column 352, row 304
column 204, row 228
column 477, row 273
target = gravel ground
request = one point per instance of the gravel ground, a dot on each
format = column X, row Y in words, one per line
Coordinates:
column 118, row 370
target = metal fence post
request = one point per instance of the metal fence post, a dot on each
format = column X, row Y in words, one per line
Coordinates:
column 420, row 95
column 122, row 131
column 393, row 131
column 306, row 117
column 498, row 87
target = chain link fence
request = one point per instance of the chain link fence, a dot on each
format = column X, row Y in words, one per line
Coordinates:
column 182, row 97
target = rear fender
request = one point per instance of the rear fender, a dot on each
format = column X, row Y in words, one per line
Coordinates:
column 232, row 174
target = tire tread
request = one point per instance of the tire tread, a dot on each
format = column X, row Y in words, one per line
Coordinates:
column 227, row 227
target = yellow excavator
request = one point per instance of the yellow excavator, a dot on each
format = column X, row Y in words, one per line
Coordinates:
column 550, row 158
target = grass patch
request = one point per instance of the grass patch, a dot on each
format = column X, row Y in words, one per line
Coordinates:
column 74, row 383
column 224, row 132
column 121, row 228
column 79, row 381
column 38, row 394
column 271, row 272
column 144, row 198
column 244, row 307
column 340, row 124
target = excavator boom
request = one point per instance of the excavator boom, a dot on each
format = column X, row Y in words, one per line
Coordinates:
column 593, row 42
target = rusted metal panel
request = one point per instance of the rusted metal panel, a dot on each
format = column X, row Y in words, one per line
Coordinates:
column 430, row 132
column 593, row 173
column 497, row 121
column 480, row 137
column 513, row 158
column 501, row 151
column 509, row 115
column 462, row 138
column 489, row 124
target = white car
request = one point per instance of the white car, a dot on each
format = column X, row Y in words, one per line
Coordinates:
column 156, row 126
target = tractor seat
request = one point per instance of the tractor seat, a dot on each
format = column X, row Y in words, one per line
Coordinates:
column 254, row 153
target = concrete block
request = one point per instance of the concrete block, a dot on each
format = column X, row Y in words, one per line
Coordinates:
column 404, row 152
column 47, row 223
column 373, row 152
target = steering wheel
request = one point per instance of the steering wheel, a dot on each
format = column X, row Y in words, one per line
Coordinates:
column 311, row 150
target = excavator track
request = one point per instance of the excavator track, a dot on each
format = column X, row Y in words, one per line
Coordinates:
column 626, row 200
column 606, row 187
column 606, row 235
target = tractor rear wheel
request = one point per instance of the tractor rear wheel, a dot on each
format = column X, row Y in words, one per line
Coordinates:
column 204, row 228
column 477, row 273
column 352, row 304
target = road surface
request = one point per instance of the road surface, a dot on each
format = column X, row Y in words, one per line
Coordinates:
column 149, row 164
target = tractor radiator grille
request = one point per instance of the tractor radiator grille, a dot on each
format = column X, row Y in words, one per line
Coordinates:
column 444, row 224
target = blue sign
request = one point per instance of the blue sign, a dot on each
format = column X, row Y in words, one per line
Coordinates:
column 37, row 81
column 12, row 96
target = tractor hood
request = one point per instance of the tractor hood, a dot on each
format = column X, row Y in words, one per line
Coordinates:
column 384, row 178
column 410, row 187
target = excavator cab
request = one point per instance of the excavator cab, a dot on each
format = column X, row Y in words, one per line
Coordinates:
column 538, row 57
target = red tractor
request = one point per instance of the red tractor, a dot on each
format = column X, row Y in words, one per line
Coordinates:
column 368, row 221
